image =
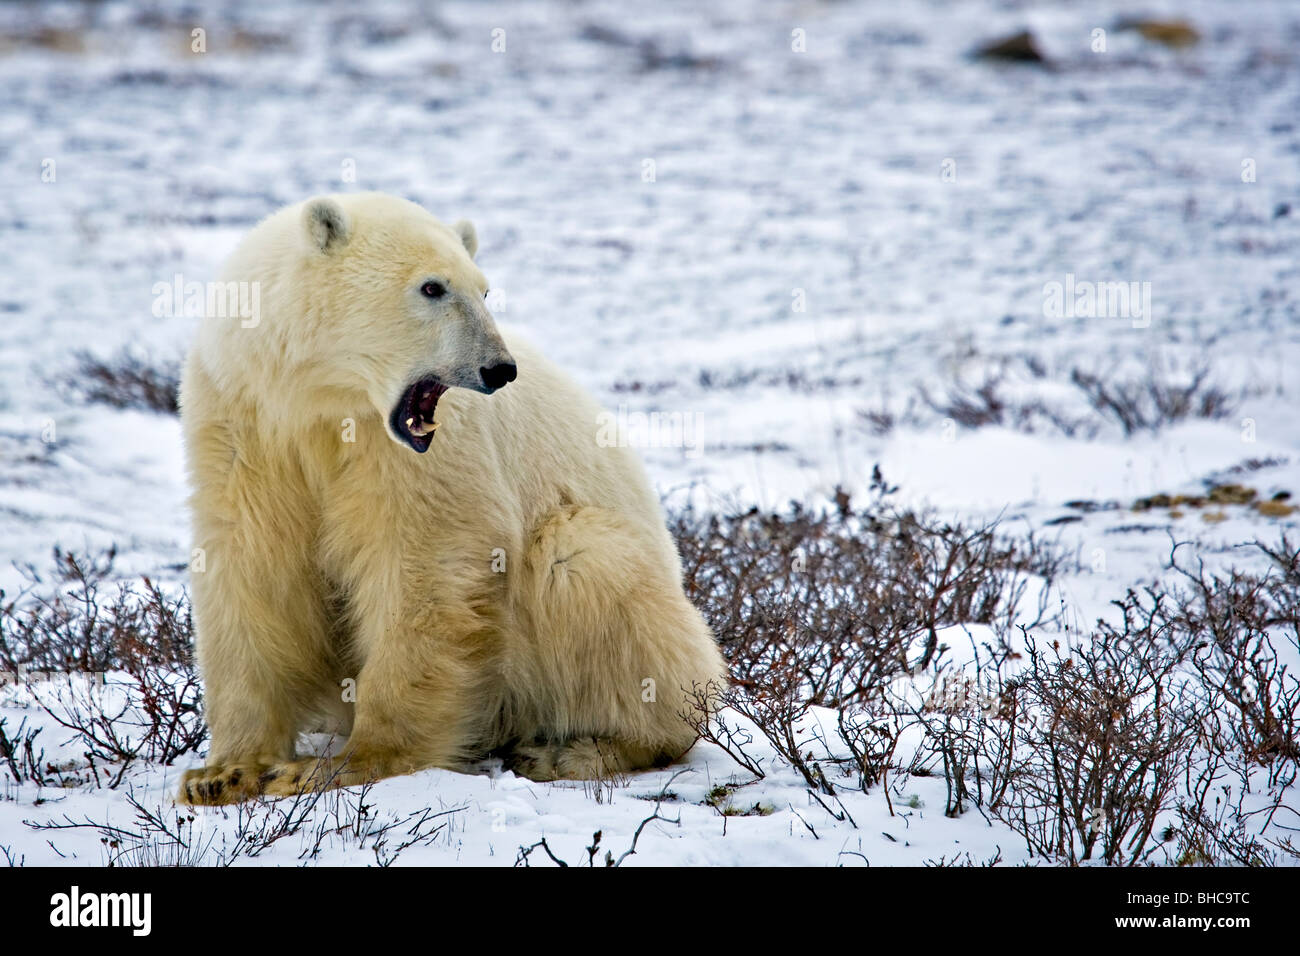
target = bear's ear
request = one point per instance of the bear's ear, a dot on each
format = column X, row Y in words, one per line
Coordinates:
column 327, row 225
column 465, row 229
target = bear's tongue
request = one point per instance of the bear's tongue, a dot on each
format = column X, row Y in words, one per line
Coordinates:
column 428, row 401
column 423, row 404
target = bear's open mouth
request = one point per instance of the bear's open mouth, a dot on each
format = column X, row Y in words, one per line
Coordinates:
column 412, row 418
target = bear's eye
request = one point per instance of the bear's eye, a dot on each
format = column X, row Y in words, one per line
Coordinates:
column 433, row 290
column 485, row 294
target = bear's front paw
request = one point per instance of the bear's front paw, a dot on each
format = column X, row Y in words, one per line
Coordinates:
column 296, row 777
column 222, row 784
column 236, row 783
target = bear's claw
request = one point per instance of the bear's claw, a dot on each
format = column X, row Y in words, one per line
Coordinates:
column 219, row 785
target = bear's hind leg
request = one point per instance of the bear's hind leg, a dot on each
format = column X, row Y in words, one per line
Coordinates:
column 585, row 758
column 615, row 651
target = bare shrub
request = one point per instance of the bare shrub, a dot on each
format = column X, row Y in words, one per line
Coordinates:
column 1238, row 793
column 74, row 618
column 703, row 712
column 126, row 380
column 1174, row 729
column 988, row 404
column 969, row 734
column 1155, row 400
column 871, row 734
column 1103, row 744
column 1144, row 401
column 1211, row 826
column 831, row 608
column 132, row 691
column 166, row 836
column 1237, row 617
column 963, row 860
column 19, row 754
column 524, row 857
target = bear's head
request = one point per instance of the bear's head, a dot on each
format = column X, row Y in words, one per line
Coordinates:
column 401, row 306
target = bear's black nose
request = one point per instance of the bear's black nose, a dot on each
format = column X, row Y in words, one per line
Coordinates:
column 498, row 375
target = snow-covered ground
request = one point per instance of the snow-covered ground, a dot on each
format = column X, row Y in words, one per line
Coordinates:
column 694, row 218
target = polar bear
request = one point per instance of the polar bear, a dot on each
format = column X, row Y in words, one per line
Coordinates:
column 406, row 531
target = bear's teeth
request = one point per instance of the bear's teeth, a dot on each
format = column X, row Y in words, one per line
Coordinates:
column 410, row 422
column 425, row 429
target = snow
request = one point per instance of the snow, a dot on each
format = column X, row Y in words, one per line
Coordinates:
column 774, row 172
